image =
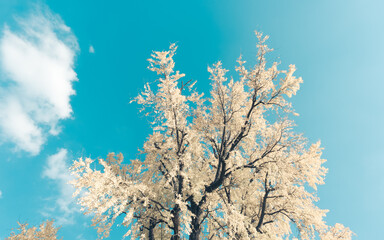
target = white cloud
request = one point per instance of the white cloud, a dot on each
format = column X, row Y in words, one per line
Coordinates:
column 80, row 237
column 1, row 194
column 36, row 67
column 57, row 170
column 91, row 49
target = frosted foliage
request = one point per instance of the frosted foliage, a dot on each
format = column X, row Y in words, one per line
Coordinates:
column 337, row 232
column 226, row 166
column 46, row 231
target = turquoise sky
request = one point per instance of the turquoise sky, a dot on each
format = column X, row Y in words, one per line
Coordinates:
column 337, row 46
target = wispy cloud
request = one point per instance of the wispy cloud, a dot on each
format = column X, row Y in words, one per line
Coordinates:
column 57, row 170
column 1, row 194
column 36, row 75
column 91, row 49
column 80, row 237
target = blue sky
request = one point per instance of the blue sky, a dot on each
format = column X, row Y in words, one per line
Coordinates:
column 337, row 47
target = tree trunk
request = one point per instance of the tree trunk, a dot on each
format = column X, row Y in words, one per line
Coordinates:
column 195, row 224
column 152, row 225
column 176, row 223
column 196, row 229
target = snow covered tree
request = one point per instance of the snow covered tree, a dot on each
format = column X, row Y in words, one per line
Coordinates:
column 46, row 231
column 226, row 166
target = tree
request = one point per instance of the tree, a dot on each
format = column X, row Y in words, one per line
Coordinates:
column 224, row 166
column 46, row 231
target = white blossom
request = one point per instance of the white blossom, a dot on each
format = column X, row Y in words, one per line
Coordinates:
column 225, row 166
column 46, row 231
